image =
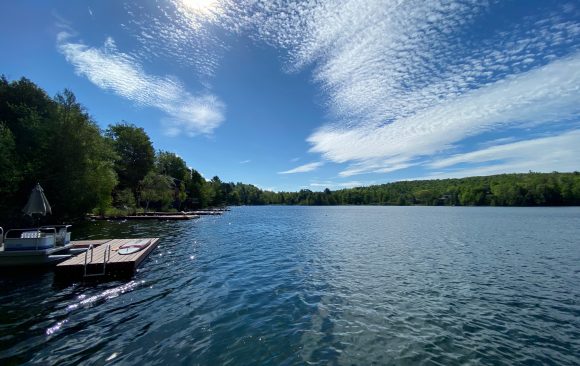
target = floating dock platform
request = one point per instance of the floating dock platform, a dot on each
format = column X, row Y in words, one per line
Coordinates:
column 165, row 216
column 184, row 213
column 206, row 212
column 172, row 217
column 103, row 258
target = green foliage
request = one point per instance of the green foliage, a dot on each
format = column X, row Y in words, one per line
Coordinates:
column 124, row 199
column 9, row 175
column 157, row 189
column 80, row 173
column 169, row 164
column 198, row 192
column 530, row 189
column 173, row 166
column 136, row 156
column 218, row 192
column 53, row 142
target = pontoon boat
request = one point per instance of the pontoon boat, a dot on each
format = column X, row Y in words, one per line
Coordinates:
column 39, row 246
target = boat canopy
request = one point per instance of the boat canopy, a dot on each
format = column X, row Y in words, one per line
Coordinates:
column 37, row 203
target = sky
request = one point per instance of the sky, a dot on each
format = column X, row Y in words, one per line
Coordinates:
column 317, row 94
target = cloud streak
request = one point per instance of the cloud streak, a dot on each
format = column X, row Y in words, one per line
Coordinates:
column 544, row 95
column 112, row 70
column 546, row 154
column 340, row 185
column 303, row 168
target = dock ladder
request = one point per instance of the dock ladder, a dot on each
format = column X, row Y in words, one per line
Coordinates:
column 106, row 257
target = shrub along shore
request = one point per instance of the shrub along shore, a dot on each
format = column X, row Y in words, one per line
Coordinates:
column 54, row 141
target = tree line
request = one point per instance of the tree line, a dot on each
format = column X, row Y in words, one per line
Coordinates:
column 527, row 189
column 55, row 142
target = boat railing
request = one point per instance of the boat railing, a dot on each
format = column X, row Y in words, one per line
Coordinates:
column 40, row 238
column 63, row 233
column 1, row 235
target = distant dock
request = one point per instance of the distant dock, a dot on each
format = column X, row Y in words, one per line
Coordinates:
column 103, row 259
column 205, row 212
column 164, row 216
column 187, row 213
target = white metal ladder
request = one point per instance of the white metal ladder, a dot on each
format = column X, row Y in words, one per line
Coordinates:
column 106, row 257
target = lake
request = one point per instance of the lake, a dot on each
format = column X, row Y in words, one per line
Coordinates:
column 317, row 285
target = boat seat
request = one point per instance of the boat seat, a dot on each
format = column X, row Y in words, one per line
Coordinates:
column 30, row 235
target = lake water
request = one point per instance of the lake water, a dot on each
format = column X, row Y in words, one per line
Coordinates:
column 318, row 285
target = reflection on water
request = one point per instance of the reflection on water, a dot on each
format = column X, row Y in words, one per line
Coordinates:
column 338, row 285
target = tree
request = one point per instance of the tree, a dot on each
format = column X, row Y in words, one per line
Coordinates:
column 424, row 196
column 194, row 188
column 136, row 156
column 218, row 193
column 158, row 189
column 170, row 164
column 79, row 166
column 9, row 175
column 124, row 199
column 26, row 114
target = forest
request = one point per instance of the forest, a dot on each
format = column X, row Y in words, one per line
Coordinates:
column 83, row 169
column 527, row 189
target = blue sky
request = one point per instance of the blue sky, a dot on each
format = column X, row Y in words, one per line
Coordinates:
column 315, row 94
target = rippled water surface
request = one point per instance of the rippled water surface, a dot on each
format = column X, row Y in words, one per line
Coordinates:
column 314, row 285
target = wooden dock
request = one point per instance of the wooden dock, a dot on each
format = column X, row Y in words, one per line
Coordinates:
column 183, row 213
column 104, row 261
column 80, row 244
column 171, row 217
column 205, row 212
column 165, row 216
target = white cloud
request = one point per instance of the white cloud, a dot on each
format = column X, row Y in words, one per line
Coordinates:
column 179, row 31
column 499, row 141
column 121, row 73
column 544, row 95
column 245, row 161
column 303, row 168
column 409, row 79
column 387, row 59
column 340, row 185
column 546, row 154
column 379, row 165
